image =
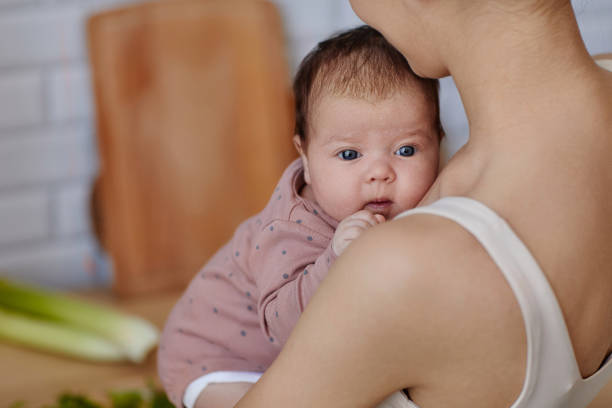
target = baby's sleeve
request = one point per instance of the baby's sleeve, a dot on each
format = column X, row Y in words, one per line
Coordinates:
column 290, row 262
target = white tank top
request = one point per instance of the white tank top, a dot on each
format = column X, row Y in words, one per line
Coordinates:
column 552, row 378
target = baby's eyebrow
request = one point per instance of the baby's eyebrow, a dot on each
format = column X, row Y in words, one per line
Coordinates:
column 394, row 134
column 420, row 134
column 341, row 138
column 424, row 132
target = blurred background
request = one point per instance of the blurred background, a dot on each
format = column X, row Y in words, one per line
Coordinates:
column 134, row 137
column 48, row 151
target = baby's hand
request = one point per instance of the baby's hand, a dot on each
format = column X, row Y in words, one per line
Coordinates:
column 353, row 226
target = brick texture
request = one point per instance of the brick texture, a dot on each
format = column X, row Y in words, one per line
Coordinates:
column 52, row 157
column 69, row 93
column 24, row 217
column 71, row 211
column 21, row 101
column 40, row 34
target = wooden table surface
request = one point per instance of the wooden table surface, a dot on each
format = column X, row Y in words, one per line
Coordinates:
column 38, row 378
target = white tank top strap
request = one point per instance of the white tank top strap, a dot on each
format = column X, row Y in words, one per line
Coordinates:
column 552, row 376
column 587, row 389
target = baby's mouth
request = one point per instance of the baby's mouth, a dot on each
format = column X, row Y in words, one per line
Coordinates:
column 379, row 206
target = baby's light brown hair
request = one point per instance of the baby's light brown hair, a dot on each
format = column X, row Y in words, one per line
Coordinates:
column 358, row 63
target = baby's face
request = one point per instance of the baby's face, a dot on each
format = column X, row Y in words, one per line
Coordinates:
column 381, row 156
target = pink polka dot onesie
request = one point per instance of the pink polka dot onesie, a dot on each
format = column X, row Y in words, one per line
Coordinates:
column 239, row 309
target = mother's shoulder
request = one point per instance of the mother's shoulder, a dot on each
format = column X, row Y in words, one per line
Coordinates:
column 428, row 239
column 432, row 252
column 443, row 286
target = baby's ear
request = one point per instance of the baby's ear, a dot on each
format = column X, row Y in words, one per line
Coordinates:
column 301, row 148
column 297, row 142
column 441, row 134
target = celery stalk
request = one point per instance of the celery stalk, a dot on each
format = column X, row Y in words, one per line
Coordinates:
column 58, row 338
column 134, row 336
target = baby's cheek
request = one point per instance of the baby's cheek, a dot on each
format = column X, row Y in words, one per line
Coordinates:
column 412, row 197
column 340, row 201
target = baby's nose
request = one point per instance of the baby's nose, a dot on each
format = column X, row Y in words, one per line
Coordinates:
column 381, row 170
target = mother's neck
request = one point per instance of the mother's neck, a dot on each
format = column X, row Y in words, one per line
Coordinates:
column 517, row 71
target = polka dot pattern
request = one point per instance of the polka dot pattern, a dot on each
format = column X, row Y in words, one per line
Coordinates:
column 267, row 243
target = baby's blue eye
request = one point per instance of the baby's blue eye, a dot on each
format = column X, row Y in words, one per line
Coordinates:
column 406, row 151
column 349, row 154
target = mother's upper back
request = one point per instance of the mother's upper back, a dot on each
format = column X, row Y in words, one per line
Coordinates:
column 551, row 180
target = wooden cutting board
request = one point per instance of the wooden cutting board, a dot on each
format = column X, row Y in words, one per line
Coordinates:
column 194, row 123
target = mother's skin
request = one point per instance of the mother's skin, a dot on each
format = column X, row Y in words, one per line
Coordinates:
column 417, row 303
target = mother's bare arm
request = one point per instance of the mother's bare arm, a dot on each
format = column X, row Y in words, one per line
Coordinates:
column 324, row 362
column 391, row 314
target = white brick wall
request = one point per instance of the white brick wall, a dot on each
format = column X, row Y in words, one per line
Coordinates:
column 21, row 98
column 40, row 34
column 24, row 217
column 70, row 211
column 56, row 263
column 68, row 91
column 47, row 154
column 47, row 158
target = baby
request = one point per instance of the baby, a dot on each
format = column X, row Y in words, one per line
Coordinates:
column 368, row 134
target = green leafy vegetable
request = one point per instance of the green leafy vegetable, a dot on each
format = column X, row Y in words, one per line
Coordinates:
column 74, row 401
column 159, row 399
column 127, row 399
column 150, row 397
column 59, row 338
column 59, row 323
